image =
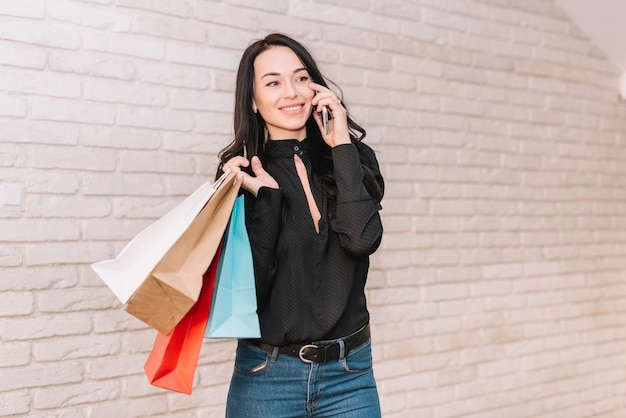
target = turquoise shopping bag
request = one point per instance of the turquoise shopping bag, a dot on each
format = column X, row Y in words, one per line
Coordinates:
column 233, row 308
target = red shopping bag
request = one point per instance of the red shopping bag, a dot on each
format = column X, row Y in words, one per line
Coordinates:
column 172, row 363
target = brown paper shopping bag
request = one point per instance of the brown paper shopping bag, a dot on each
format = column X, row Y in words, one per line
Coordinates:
column 174, row 284
column 125, row 273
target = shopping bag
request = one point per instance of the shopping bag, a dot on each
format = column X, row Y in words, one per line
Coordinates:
column 161, row 301
column 175, row 282
column 125, row 273
column 233, row 310
column 173, row 360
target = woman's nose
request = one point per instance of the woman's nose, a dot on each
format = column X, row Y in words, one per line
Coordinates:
column 290, row 90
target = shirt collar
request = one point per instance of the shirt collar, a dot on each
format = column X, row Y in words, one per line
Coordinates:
column 286, row 147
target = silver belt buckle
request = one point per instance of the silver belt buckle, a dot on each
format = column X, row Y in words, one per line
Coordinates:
column 301, row 353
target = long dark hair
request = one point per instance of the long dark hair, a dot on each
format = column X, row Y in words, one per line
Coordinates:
column 249, row 126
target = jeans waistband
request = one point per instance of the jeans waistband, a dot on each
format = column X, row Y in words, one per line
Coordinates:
column 320, row 352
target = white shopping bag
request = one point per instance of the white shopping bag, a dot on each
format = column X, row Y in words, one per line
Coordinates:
column 125, row 273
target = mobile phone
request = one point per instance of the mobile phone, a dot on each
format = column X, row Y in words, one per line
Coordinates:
column 325, row 119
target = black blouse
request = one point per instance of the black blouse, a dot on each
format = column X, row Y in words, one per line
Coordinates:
column 310, row 285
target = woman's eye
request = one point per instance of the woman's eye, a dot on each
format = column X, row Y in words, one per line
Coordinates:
column 272, row 83
column 303, row 78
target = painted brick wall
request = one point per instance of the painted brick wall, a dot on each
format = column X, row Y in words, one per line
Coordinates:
column 499, row 289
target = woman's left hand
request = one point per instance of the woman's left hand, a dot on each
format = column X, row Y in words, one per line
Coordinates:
column 338, row 132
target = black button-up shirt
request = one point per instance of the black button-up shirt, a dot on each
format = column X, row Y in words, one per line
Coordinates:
column 310, row 285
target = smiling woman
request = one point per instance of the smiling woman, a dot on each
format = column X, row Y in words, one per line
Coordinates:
column 312, row 201
column 282, row 93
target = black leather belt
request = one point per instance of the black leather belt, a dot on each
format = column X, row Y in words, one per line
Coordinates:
column 319, row 352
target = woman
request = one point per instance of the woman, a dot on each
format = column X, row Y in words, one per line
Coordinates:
column 312, row 214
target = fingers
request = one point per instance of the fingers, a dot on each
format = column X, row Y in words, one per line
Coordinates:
column 235, row 164
column 261, row 175
column 317, row 116
column 251, row 183
column 324, row 97
column 257, row 167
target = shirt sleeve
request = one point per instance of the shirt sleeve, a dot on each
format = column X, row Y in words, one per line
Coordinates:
column 263, row 221
column 357, row 221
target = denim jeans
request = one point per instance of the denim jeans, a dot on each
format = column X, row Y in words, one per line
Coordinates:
column 269, row 385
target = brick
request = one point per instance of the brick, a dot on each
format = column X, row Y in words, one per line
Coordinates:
column 201, row 145
column 210, row 57
column 14, row 354
column 125, row 44
column 22, row 56
column 140, row 161
column 444, row 292
column 380, row 61
column 138, row 408
column 10, row 256
column 216, row 351
column 44, row 326
column 14, row 403
column 66, row 412
column 41, row 375
column 96, row 159
column 12, row 156
column 220, row 13
column 75, row 395
column 219, row 125
column 90, row 63
column 72, row 111
column 16, row 304
column 89, row 15
column 169, row 27
column 119, row 138
column 120, row 184
column 36, row 132
column 143, row 208
column 161, row 6
column 33, row 82
column 76, row 300
column 396, row 403
column 38, row 278
column 114, row 92
column 39, row 33
column 203, row 101
column 34, row 9
column 136, row 387
column 117, row 320
column 13, row 231
column 70, row 253
column 401, row 384
column 12, row 106
column 106, row 368
column 368, row 96
column 76, row 347
column 164, row 119
column 217, row 378
column 379, row 296
column 348, row 4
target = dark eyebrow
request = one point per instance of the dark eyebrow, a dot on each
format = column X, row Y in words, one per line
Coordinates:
column 297, row 70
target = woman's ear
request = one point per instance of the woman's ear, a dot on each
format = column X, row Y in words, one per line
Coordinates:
column 254, row 108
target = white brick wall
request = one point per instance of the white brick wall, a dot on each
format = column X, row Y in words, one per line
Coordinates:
column 499, row 288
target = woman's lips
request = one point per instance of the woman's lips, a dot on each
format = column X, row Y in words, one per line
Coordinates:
column 292, row 108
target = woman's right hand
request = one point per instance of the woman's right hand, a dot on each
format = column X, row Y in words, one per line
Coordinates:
column 260, row 179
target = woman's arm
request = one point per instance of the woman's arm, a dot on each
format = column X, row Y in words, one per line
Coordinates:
column 357, row 220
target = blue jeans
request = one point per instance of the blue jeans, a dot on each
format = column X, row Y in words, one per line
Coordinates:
column 269, row 385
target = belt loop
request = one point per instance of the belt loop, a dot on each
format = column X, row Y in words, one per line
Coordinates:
column 274, row 354
column 342, row 350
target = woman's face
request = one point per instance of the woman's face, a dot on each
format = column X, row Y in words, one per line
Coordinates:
column 281, row 93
